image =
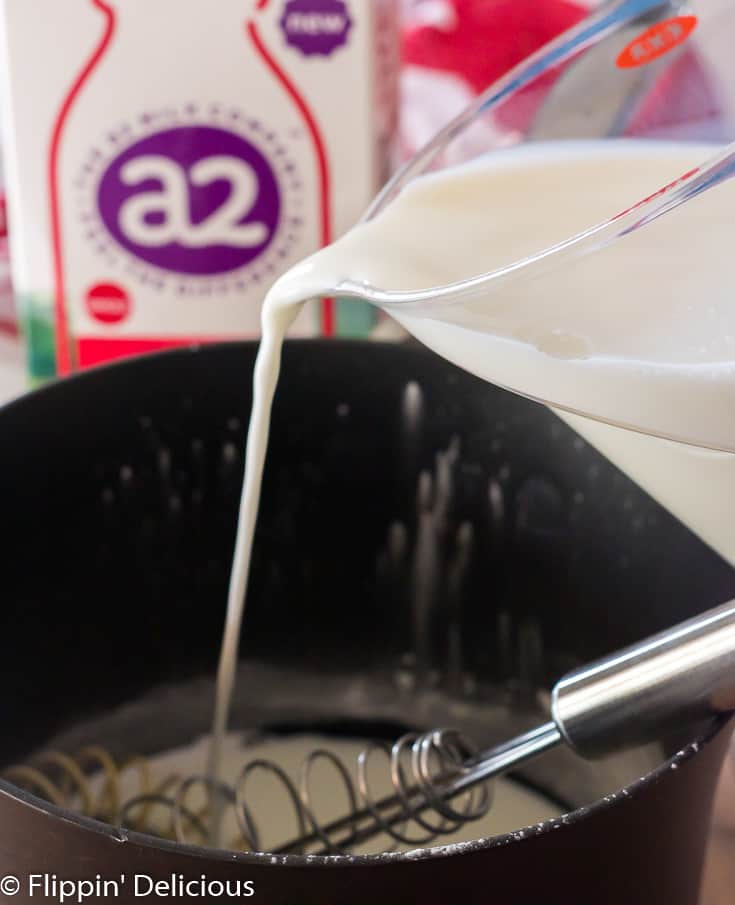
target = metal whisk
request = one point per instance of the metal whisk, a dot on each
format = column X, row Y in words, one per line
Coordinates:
column 638, row 695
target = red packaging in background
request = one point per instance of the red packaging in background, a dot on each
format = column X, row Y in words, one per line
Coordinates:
column 480, row 40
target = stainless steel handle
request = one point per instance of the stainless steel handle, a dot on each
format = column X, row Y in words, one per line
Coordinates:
column 639, row 694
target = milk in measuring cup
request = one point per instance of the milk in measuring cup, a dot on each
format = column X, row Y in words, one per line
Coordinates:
column 168, row 159
column 647, row 325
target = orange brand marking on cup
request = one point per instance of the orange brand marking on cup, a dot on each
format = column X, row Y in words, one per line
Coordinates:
column 656, row 41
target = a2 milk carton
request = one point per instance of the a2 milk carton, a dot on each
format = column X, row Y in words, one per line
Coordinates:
column 167, row 159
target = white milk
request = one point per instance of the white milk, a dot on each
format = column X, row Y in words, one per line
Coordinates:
column 642, row 332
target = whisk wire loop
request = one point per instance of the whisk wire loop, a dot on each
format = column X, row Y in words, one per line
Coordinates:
column 246, row 822
column 453, row 752
column 413, row 794
column 305, row 773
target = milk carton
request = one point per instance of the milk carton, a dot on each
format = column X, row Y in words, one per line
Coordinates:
column 167, row 159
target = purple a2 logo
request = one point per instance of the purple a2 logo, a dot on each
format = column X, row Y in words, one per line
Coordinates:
column 194, row 200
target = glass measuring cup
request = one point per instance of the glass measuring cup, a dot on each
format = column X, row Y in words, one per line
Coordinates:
column 647, row 71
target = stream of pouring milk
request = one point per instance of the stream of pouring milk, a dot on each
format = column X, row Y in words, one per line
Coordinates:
column 644, row 329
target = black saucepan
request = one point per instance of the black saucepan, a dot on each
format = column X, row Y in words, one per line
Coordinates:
column 119, row 490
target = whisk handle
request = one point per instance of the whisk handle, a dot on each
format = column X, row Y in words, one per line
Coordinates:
column 660, row 685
